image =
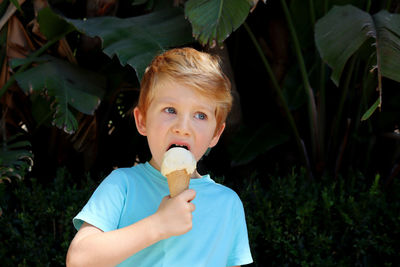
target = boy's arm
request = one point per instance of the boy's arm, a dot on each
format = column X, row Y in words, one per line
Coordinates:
column 93, row 247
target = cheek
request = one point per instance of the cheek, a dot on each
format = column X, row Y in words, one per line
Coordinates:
column 155, row 124
column 205, row 136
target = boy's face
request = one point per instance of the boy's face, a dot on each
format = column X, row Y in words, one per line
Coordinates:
column 178, row 115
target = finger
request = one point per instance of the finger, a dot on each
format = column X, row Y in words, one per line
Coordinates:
column 188, row 195
column 192, row 207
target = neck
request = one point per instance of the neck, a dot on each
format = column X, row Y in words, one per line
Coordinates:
column 195, row 175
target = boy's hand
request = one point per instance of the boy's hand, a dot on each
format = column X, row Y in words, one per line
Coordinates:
column 174, row 215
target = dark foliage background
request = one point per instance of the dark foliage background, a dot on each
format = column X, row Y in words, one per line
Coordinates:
column 317, row 192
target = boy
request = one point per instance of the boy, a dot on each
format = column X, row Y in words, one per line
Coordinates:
column 184, row 101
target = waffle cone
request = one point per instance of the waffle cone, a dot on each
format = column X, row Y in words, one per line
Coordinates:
column 178, row 181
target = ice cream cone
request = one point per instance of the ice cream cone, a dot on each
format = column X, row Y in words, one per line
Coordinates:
column 178, row 181
column 178, row 165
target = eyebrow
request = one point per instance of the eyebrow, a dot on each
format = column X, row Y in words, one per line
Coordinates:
column 172, row 101
column 165, row 99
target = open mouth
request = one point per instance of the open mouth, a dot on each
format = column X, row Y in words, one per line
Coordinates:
column 176, row 145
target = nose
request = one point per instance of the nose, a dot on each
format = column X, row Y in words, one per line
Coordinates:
column 182, row 125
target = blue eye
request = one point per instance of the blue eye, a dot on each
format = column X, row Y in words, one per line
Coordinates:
column 201, row 116
column 170, row 110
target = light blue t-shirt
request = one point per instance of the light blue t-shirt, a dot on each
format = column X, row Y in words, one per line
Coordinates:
column 218, row 236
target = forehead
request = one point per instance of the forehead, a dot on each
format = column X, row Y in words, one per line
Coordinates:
column 174, row 92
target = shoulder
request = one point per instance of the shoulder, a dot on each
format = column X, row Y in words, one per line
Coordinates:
column 222, row 189
column 121, row 178
column 123, row 174
column 228, row 192
column 222, row 193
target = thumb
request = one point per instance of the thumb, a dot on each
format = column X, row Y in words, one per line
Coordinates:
column 188, row 195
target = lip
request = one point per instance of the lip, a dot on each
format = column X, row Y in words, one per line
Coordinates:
column 178, row 143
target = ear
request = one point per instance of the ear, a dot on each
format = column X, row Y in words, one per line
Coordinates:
column 140, row 121
column 217, row 135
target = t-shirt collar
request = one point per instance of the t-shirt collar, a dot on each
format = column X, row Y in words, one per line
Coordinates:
column 157, row 175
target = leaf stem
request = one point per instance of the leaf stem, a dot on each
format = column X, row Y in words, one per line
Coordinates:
column 345, row 91
column 321, row 105
column 326, row 5
column 368, row 8
column 312, row 111
column 388, row 5
column 281, row 99
column 336, row 124
column 312, row 12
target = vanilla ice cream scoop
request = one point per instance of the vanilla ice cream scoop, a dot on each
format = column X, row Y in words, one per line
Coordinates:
column 178, row 165
column 178, row 158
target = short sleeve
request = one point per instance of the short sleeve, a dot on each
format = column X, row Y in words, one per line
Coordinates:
column 104, row 207
column 240, row 251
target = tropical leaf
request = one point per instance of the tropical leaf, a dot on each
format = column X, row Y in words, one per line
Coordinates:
column 388, row 43
column 15, row 158
column 52, row 25
column 250, row 143
column 341, row 32
column 17, row 4
column 135, row 41
column 70, row 85
column 138, row 2
column 214, row 20
column 371, row 110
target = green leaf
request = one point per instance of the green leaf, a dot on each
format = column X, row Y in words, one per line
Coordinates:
column 138, row 2
column 17, row 62
column 388, row 43
column 250, row 143
column 341, row 32
column 17, row 5
column 70, row 85
column 371, row 110
column 15, row 158
column 214, row 20
column 51, row 25
column 135, row 41
column 19, row 144
column 374, row 190
column 63, row 117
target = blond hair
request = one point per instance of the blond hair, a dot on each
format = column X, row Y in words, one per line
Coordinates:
column 194, row 69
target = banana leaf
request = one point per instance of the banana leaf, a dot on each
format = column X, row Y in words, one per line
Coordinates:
column 16, row 159
column 214, row 20
column 344, row 29
column 70, row 85
column 135, row 41
column 52, row 25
